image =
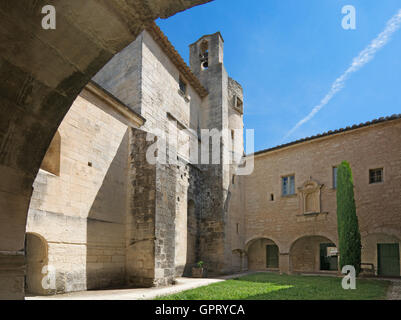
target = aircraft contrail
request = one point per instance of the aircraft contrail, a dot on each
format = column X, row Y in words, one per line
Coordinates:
column 363, row 58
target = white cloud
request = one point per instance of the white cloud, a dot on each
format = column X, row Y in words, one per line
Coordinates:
column 363, row 58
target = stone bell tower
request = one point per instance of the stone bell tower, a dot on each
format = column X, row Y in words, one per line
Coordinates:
column 207, row 63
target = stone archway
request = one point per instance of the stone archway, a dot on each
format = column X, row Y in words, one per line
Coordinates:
column 312, row 254
column 263, row 254
column 42, row 72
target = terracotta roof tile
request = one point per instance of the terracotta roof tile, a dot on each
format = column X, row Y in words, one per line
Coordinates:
column 175, row 57
column 331, row 132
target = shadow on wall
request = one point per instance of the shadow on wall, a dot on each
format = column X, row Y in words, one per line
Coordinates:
column 192, row 254
column 106, row 242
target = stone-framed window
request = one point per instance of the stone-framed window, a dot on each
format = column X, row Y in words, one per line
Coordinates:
column 182, row 86
column 288, row 185
column 375, row 175
column 238, row 104
column 334, row 171
column 183, row 89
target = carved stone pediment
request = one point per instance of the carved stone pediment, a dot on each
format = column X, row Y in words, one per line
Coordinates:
column 309, row 195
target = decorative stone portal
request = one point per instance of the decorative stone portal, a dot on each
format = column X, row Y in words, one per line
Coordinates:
column 310, row 197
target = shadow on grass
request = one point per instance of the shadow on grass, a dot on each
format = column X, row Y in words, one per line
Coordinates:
column 316, row 288
column 267, row 286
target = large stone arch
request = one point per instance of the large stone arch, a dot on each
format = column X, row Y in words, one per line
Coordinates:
column 305, row 255
column 384, row 230
column 260, row 252
column 330, row 236
column 250, row 240
column 42, row 72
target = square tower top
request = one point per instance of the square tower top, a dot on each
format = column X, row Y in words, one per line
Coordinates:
column 206, row 52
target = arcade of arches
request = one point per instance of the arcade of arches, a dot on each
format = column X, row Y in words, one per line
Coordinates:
column 307, row 254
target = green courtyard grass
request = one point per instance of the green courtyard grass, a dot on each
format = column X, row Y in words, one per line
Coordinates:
column 270, row 286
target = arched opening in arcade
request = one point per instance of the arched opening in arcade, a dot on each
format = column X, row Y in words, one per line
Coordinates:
column 313, row 254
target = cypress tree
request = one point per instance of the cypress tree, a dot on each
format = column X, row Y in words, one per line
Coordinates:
column 349, row 237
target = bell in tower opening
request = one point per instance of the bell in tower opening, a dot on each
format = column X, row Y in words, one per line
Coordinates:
column 204, row 55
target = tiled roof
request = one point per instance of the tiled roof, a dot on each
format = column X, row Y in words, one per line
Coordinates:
column 175, row 57
column 330, row 133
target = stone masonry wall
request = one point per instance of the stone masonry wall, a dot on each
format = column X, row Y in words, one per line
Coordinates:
column 166, row 180
column 141, row 217
column 151, row 218
column 79, row 212
column 378, row 205
column 188, row 211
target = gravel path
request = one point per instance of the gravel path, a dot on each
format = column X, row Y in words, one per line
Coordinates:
column 182, row 284
column 394, row 291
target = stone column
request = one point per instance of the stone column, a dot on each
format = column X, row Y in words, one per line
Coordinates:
column 151, row 217
column 165, row 224
column 15, row 194
column 140, row 230
column 284, row 263
column 244, row 261
column 12, row 272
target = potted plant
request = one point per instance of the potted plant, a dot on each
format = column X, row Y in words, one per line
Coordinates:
column 199, row 271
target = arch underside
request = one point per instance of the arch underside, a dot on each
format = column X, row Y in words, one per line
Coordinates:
column 42, row 72
column 263, row 254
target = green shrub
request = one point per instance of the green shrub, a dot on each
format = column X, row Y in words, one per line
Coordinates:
column 349, row 237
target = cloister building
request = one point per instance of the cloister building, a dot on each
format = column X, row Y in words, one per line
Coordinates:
column 101, row 215
column 284, row 213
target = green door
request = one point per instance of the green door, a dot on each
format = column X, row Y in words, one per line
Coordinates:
column 388, row 259
column 271, row 256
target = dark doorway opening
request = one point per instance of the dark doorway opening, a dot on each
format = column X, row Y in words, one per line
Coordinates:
column 272, row 256
column 328, row 257
column 388, row 259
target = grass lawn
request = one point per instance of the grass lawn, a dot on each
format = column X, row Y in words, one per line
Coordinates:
column 270, row 286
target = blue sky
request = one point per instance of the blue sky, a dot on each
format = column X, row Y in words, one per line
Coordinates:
column 287, row 53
